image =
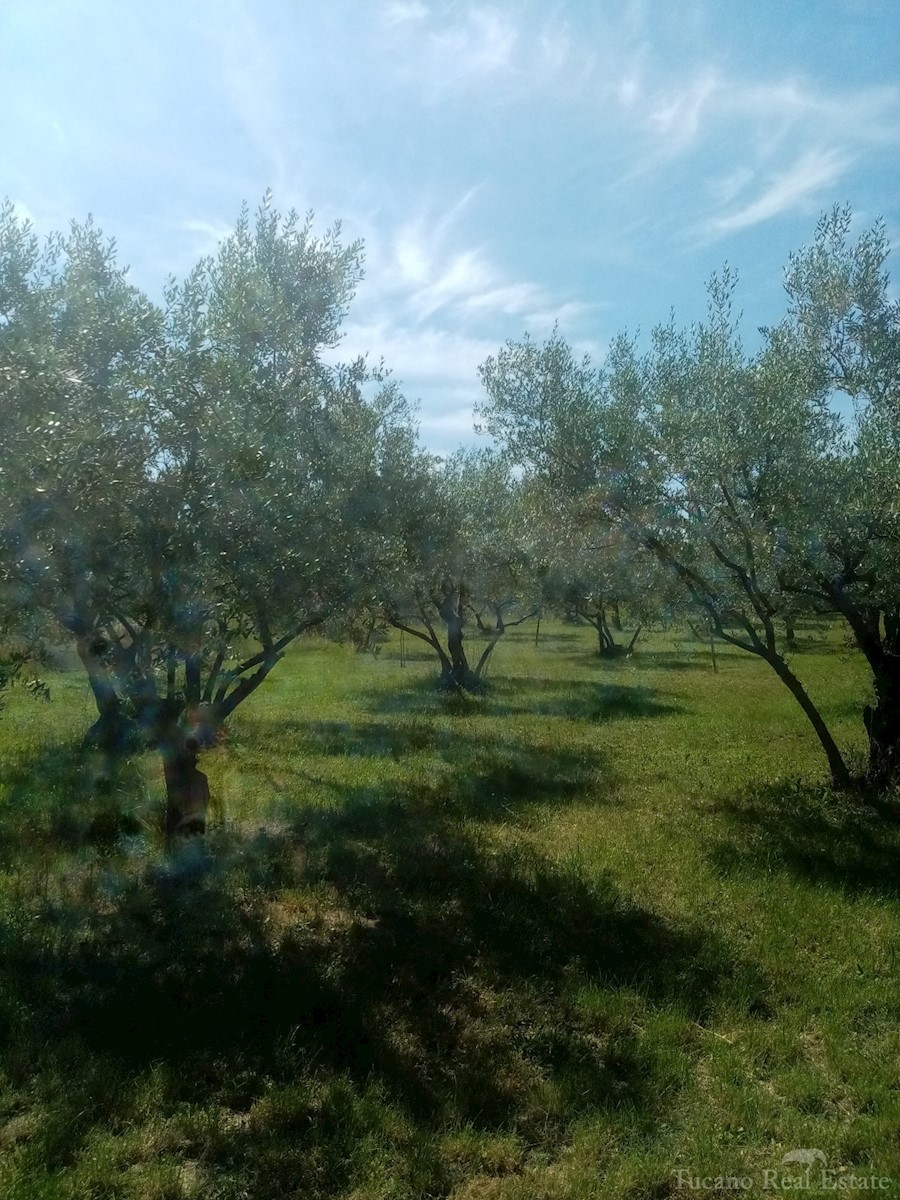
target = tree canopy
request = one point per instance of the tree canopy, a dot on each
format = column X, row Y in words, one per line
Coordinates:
column 187, row 486
column 736, row 470
column 190, row 485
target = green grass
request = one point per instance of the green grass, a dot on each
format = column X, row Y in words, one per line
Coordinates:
column 559, row 941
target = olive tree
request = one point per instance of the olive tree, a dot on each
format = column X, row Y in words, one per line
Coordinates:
column 193, row 484
column 842, row 313
column 713, row 460
column 724, row 477
column 76, row 448
column 549, row 411
column 464, row 561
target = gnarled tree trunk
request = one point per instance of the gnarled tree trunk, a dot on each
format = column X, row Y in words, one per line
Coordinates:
column 187, row 788
column 115, row 731
column 882, row 721
column 877, row 634
column 457, row 673
column 840, row 776
column 607, row 646
column 460, row 676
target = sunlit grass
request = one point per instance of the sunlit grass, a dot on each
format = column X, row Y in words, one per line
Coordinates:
column 605, row 922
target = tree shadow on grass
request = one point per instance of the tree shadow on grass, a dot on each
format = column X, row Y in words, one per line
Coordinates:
column 695, row 659
column 380, row 944
column 579, row 700
column 65, row 797
column 575, row 700
column 500, row 780
column 837, row 709
column 390, row 653
column 814, row 834
column 362, row 738
column 474, row 775
column 420, row 695
column 559, row 638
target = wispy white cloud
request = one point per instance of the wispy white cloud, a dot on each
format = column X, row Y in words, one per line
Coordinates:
column 401, row 12
column 464, row 276
column 250, row 71
column 567, row 314
column 798, row 186
column 434, row 354
column 469, row 286
column 513, row 298
column 23, row 212
column 529, row 301
column 445, row 52
column 866, row 113
column 443, row 431
column 436, row 366
column 206, row 235
column 629, row 87
column 556, row 47
column 411, row 257
column 758, row 149
column 676, row 117
column 482, row 42
column 725, row 188
column 434, row 308
column 426, row 272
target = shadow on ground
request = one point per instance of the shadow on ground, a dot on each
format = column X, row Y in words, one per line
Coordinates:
column 814, row 834
column 692, row 658
column 470, row 774
column 385, row 946
column 575, row 700
column 617, row 693
column 66, row 796
column 310, row 981
column 579, row 700
column 563, row 637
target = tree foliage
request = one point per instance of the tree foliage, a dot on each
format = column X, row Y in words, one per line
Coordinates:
column 188, row 486
column 735, row 470
column 465, row 560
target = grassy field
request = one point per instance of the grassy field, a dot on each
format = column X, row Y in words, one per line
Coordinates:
column 601, row 925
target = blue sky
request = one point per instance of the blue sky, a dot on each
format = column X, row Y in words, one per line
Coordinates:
column 507, row 165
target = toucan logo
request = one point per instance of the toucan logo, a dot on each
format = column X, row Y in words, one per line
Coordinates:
column 806, row 1158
